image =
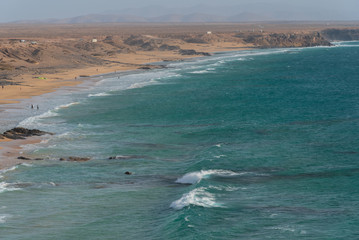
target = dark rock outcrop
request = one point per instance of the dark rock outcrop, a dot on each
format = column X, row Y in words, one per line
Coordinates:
column 28, row 159
column 145, row 68
column 75, row 159
column 195, row 40
column 23, row 158
column 124, row 157
column 134, row 41
column 68, row 159
column 128, row 173
column 166, row 47
column 192, row 52
column 284, row 40
column 23, row 133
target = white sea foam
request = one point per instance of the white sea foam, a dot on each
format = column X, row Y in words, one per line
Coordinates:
column 34, row 120
column 225, row 188
column 8, row 169
column 200, row 72
column 173, row 75
column 283, row 228
column 6, row 187
column 197, row 197
column 3, row 218
column 30, row 121
column 31, row 147
column 44, row 141
column 26, row 164
column 67, row 105
column 142, row 84
column 5, row 171
column 346, row 45
column 103, row 94
column 196, row 177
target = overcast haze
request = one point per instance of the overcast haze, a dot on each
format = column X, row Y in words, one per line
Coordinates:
column 16, row 10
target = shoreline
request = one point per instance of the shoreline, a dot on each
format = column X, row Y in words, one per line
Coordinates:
column 37, row 81
column 11, row 149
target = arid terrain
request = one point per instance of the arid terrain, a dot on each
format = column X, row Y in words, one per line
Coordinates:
column 50, row 55
column 38, row 58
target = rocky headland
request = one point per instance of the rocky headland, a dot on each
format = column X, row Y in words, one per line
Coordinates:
column 284, row 40
column 334, row 34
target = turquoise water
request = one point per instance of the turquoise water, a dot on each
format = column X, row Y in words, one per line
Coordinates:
column 257, row 144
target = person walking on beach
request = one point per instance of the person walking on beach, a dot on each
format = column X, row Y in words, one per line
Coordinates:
column 32, row 106
column 37, row 107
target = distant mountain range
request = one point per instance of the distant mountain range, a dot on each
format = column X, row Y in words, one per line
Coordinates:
column 202, row 14
column 170, row 18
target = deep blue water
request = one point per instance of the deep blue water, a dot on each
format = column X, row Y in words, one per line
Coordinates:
column 256, row 144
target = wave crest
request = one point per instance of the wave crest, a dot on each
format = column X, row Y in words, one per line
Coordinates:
column 197, row 197
column 196, row 177
column 5, row 187
column 103, row 94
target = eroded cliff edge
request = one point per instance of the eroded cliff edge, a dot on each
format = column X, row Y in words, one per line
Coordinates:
column 334, row 34
column 284, row 40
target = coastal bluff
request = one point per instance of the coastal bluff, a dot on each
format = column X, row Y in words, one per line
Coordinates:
column 285, row 40
column 334, row 34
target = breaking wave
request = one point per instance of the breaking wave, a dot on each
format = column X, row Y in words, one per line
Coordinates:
column 196, row 177
column 198, row 197
column 103, row 94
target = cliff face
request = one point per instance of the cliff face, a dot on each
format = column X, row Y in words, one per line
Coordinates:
column 280, row 40
column 341, row 34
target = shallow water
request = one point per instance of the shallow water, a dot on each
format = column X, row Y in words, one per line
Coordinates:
column 246, row 145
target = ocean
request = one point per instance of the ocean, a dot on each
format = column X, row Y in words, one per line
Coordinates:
column 259, row 144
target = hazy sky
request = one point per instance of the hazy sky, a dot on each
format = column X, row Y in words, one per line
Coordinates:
column 12, row 10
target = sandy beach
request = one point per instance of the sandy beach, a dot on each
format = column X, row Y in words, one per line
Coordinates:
column 39, row 59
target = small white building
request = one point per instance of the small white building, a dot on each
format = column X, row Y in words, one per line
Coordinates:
column 209, row 32
column 94, row 40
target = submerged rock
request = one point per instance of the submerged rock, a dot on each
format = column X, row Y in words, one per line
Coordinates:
column 75, row 159
column 25, row 158
column 123, row 157
column 128, row 173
